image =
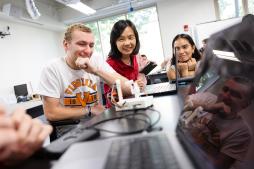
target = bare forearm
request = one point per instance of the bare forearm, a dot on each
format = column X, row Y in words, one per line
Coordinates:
column 110, row 79
column 54, row 110
column 62, row 113
column 107, row 77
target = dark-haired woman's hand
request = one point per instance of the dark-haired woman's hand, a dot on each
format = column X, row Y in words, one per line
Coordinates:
column 192, row 64
column 183, row 69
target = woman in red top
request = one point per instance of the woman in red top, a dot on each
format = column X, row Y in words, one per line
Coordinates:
column 124, row 41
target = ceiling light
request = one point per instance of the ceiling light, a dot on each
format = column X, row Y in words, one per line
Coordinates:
column 81, row 7
column 32, row 9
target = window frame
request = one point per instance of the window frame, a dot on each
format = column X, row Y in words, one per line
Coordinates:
column 103, row 51
column 244, row 4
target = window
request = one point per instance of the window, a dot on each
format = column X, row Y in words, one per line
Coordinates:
column 251, row 6
column 226, row 9
column 239, row 8
column 234, row 8
column 105, row 27
column 147, row 24
column 97, row 46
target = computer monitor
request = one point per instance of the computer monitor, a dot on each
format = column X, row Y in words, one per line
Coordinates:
column 20, row 90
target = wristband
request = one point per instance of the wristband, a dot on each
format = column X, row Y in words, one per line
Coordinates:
column 89, row 111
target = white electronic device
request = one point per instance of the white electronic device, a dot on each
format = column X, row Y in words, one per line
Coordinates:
column 132, row 103
column 189, row 116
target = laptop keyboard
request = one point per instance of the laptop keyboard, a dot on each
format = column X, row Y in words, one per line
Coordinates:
column 159, row 88
column 149, row 152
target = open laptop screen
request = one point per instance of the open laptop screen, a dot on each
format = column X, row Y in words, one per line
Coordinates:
column 215, row 124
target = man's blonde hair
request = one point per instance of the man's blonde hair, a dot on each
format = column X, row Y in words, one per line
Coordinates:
column 72, row 28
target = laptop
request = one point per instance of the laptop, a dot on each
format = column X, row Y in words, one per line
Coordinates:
column 197, row 143
column 160, row 85
column 159, row 89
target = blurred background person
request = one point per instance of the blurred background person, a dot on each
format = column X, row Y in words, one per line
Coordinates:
column 202, row 49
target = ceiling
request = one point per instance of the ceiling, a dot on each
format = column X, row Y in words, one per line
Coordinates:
column 95, row 4
column 57, row 13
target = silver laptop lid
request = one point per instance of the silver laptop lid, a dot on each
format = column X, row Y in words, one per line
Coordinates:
column 215, row 124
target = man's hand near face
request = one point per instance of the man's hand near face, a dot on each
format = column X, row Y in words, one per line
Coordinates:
column 84, row 63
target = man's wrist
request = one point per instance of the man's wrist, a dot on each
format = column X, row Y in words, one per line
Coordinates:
column 96, row 72
column 89, row 111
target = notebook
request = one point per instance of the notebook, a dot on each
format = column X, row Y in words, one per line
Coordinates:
column 200, row 139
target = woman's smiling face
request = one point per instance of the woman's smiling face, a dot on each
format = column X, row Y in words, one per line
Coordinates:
column 183, row 49
column 126, row 43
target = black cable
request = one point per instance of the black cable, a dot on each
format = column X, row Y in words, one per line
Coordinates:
column 105, row 120
column 148, row 121
column 148, row 117
column 159, row 117
column 128, row 132
column 125, row 116
column 156, row 121
column 147, row 128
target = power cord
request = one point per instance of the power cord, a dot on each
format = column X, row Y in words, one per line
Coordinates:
column 127, row 132
column 158, row 119
column 149, row 127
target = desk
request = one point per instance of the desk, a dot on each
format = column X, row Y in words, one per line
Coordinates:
column 28, row 104
column 33, row 107
column 93, row 154
column 168, row 106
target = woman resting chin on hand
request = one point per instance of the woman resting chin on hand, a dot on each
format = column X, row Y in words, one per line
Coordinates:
column 187, row 56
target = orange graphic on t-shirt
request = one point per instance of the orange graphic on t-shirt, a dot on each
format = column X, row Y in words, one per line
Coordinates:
column 81, row 98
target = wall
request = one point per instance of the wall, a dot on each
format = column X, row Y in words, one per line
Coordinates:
column 23, row 55
column 174, row 14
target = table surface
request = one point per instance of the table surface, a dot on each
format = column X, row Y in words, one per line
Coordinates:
column 168, row 106
column 26, row 105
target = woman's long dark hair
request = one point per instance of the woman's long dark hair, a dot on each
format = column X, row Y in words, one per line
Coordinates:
column 196, row 53
column 116, row 32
